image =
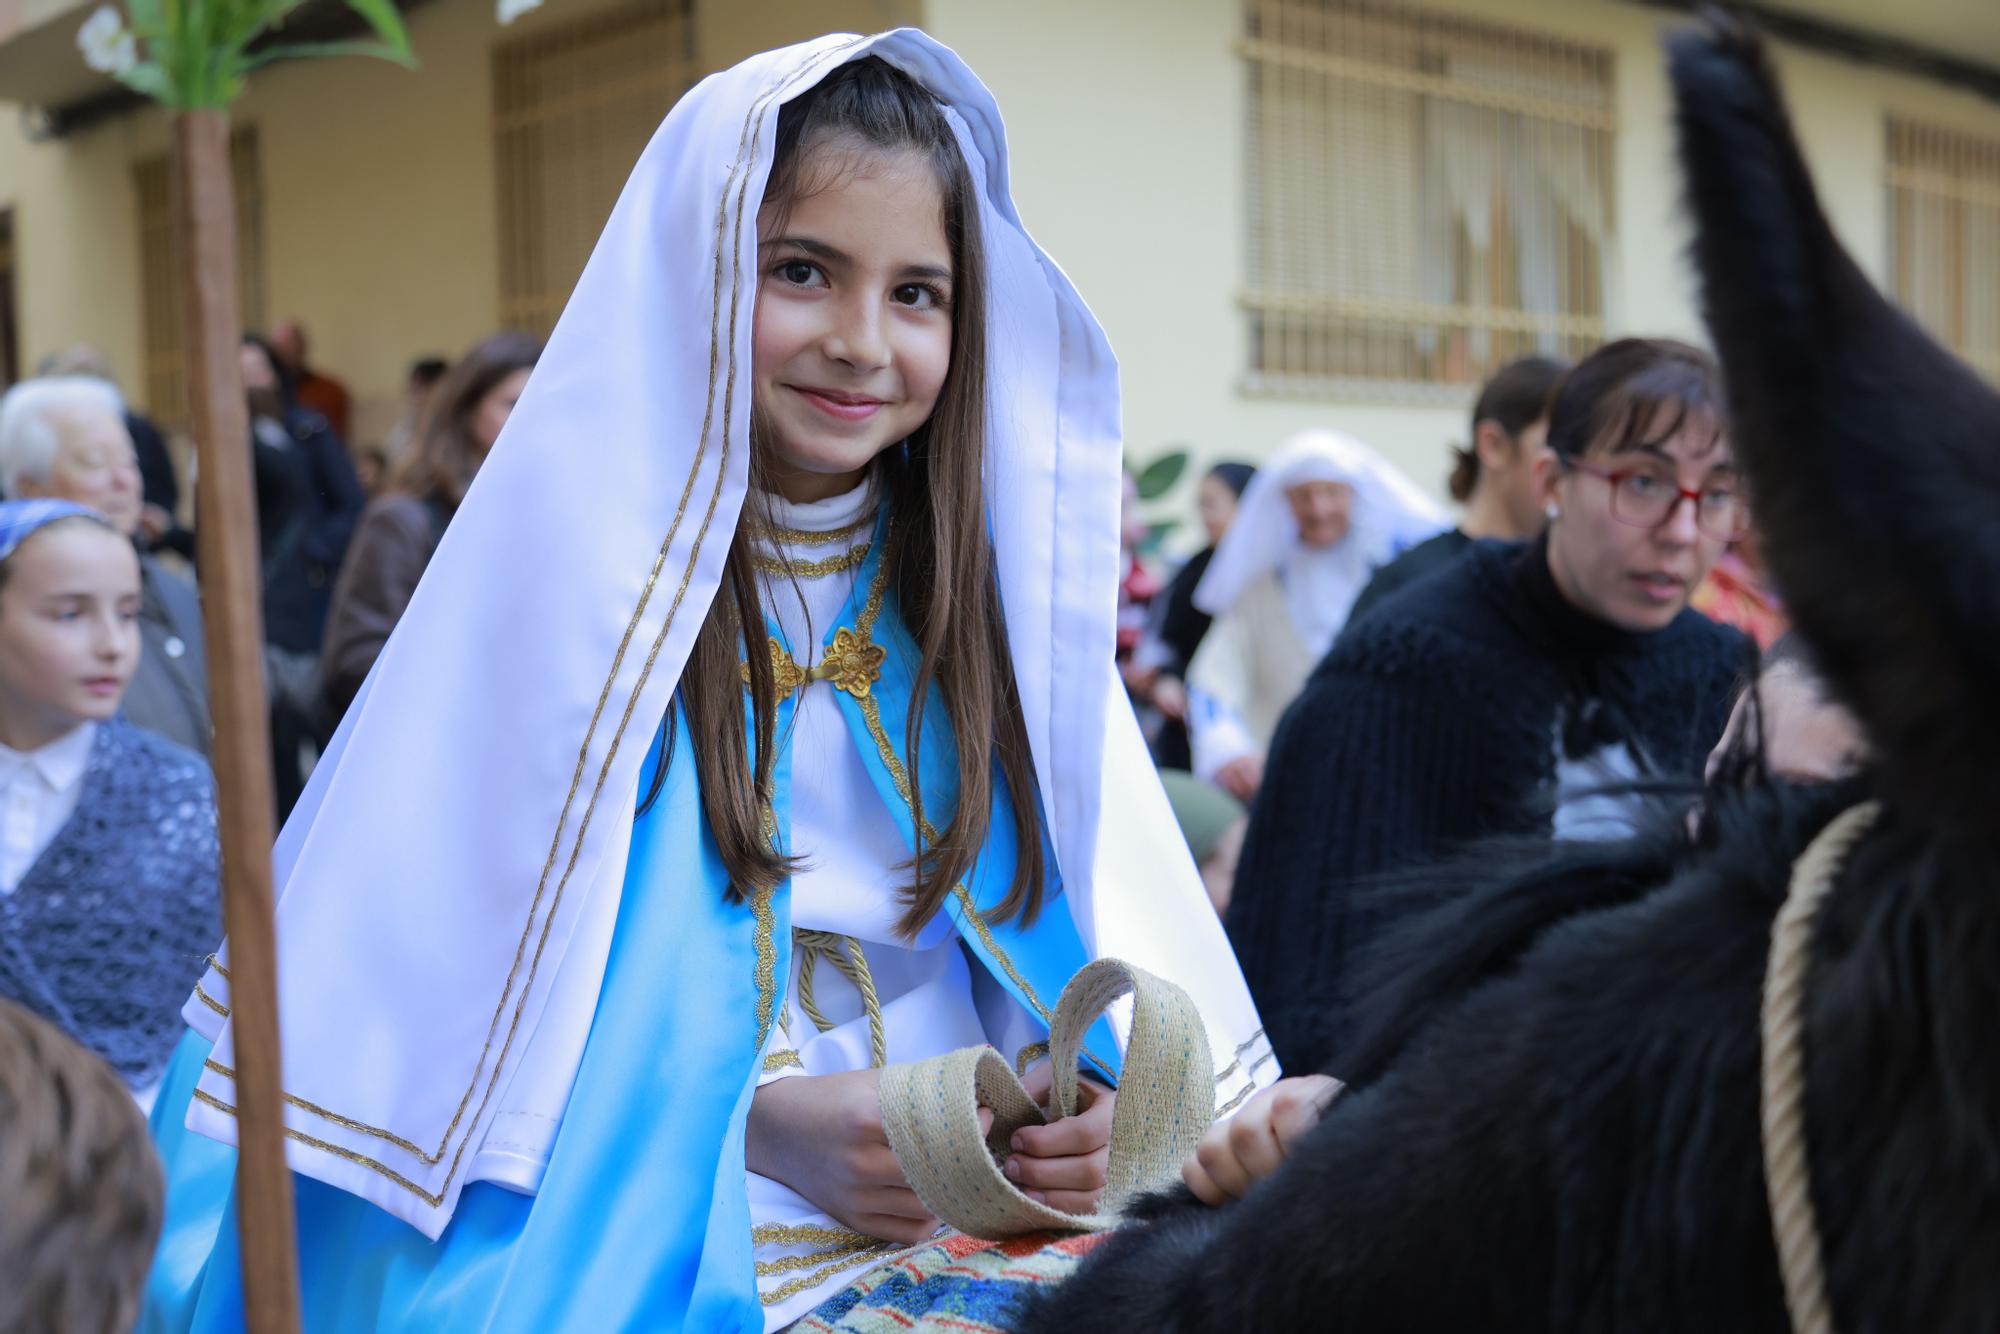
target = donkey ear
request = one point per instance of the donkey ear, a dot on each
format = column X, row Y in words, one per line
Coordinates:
column 1873, row 455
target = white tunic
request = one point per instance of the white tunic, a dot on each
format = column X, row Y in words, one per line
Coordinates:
column 853, row 855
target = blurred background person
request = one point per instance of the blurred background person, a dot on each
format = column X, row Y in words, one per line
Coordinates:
column 65, row 437
column 418, row 383
column 1526, row 690
column 1495, row 477
column 159, row 524
column 108, row 857
column 308, row 501
column 1177, row 626
column 401, row 529
column 1737, row 592
column 1316, row 521
column 306, row 386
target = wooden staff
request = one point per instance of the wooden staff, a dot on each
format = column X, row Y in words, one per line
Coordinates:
column 232, row 603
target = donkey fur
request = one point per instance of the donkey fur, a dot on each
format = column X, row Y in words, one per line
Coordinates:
column 1553, row 1124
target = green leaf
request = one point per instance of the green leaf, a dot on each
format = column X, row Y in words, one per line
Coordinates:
column 147, row 19
column 1157, row 534
column 314, row 50
column 387, row 23
column 150, row 80
column 1158, row 477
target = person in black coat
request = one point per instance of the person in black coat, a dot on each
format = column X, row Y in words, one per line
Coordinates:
column 1177, row 631
column 1524, row 689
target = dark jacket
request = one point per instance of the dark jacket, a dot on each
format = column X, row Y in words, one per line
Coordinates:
column 1434, row 722
column 1431, row 554
column 394, row 543
column 168, row 695
column 308, row 500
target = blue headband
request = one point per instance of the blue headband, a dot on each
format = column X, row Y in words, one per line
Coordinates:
column 22, row 519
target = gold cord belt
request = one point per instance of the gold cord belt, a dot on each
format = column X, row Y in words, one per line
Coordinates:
column 844, row 953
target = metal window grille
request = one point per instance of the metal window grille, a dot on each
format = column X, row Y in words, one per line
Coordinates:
column 160, row 267
column 572, row 110
column 1429, row 197
column 1944, row 236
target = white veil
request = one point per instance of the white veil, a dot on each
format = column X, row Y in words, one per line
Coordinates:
column 460, row 847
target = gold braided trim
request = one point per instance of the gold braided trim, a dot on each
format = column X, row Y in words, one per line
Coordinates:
column 783, row 1060
column 210, row 1001
column 1230, row 1069
column 887, row 1255
column 811, row 569
column 764, row 933
column 801, row 1234
column 801, row 537
column 345, row 1123
column 216, row 964
column 786, row 1264
column 1027, row 1056
column 1236, row 1101
column 745, row 156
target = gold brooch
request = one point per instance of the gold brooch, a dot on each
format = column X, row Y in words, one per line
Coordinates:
column 852, row 663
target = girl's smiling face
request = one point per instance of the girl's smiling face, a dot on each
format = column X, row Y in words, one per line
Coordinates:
column 854, row 315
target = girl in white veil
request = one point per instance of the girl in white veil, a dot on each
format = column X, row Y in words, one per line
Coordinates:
column 584, row 1031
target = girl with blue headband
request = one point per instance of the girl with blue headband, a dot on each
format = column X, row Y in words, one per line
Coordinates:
column 107, row 833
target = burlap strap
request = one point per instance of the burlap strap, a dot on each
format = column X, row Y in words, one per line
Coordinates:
column 1166, row 1099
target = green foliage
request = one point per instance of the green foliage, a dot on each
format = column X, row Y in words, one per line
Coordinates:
column 1158, row 477
column 194, row 54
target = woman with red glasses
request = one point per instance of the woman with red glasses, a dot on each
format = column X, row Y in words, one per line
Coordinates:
column 1527, row 689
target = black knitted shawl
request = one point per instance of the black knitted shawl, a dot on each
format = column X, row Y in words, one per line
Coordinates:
column 107, row 932
column 1435, row 721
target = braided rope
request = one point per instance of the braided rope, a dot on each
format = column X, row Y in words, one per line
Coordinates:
column 844, row 953
column 1787, row 1173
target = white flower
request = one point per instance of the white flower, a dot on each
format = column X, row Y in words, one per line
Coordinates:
column 107, row 47
column 513, row 9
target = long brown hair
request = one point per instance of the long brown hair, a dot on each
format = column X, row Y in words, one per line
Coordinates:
column 444, row 455
column 939, row 559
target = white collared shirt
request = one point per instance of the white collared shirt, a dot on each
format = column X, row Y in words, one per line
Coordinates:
column 39, row 790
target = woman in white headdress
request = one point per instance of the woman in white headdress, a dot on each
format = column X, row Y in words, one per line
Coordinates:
column 647, row 844
column 1315, row 522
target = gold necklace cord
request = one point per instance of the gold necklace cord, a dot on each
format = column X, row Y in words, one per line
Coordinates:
column 1782, row 1087
column 811, row 569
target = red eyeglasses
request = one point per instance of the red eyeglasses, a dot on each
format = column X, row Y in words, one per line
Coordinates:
column 1647, row 500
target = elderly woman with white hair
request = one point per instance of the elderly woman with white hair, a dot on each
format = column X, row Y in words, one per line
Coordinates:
column 1314, row 524
column 64, row 437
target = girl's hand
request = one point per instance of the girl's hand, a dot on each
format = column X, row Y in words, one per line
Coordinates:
column 822, row 1136
column 1170, row 697
column 1063, row 1164
column 1241, row 777
column 1237, row 1153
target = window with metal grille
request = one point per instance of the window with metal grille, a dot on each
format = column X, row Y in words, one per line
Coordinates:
column 1429, row 197
column 573, row 108
column 1944, row 236
column 160, row 270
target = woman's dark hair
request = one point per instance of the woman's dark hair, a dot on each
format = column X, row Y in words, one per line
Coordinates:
column 1613, row 399
column 445, row 454
column 1514, row 399
column 939, row 560
column 1235, row 476
column 287, row 391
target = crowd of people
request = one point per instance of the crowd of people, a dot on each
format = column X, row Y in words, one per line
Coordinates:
column 1345, row 685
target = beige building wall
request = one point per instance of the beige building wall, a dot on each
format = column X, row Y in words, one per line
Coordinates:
column 1126, row 119
column 1127, row 123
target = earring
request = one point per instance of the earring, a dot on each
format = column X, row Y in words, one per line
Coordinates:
column 1554, row 511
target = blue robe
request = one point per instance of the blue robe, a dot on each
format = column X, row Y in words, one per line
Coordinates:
column 641, row 1221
